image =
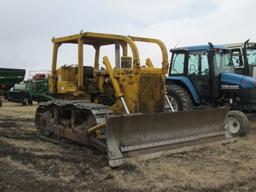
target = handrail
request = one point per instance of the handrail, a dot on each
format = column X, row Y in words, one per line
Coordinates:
column 103, row 36
column 162, row 46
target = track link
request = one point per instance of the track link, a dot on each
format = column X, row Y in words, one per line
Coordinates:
column 72, row 119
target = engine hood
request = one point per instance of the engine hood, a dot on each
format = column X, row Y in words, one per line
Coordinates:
column 237, row 79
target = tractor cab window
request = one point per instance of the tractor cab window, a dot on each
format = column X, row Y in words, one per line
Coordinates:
column 204, row 64
column 177, row 64
column 223, row 62
column 237, row 58
column 198, row 64
column 193, row 64
column 251, row 56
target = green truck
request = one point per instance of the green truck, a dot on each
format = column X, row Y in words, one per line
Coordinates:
column 35, row 89
column 8, row 78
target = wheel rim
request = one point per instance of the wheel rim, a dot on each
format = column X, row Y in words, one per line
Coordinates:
column 174, row 104
column 234, row 125
column 25, row 101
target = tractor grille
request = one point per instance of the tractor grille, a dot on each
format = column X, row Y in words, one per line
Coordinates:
column 151, row 89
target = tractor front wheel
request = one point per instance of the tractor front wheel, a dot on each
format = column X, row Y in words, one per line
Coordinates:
column 236, row 123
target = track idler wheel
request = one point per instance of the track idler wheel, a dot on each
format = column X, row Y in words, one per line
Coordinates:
column 44, row 123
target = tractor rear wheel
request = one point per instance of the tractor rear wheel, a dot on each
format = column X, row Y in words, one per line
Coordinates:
column 179, row 98
column 236, row 123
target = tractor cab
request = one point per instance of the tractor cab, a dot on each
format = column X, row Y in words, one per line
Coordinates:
column 244, row 57
column 207, row 74
column 201, row 66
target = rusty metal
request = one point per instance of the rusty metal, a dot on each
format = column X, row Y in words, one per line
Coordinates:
column 140, row 131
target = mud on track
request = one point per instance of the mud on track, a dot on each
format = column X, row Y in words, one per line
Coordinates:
column 29, row 163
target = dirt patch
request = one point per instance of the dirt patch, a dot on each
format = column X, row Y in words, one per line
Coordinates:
column 6, row 124
column 29, row 163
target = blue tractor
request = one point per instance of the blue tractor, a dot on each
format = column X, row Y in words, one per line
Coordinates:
column 204, row 76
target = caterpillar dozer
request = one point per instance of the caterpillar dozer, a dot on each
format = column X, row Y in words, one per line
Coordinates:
column 121, row 109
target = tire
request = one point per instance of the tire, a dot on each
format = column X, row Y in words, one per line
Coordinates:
column 25, row 101
column 30, row 101
column 177, row 94
column 237, row 124
column 39, row 100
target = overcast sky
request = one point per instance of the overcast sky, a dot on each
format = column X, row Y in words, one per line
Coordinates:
column 27, row 26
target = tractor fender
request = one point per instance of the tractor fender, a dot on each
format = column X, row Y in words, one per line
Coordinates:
column 187, row 84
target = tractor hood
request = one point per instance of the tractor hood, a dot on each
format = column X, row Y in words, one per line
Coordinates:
column 232, row 80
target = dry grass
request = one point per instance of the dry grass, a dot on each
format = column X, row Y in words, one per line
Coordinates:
column 28, row 163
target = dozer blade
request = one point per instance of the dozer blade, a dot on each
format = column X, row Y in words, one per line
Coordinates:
column 145, row 136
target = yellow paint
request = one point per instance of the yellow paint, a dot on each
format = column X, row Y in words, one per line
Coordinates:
column 142, row 88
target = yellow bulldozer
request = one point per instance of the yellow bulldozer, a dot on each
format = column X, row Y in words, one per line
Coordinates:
column 121, row 109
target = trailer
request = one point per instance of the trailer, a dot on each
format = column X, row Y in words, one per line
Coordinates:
column 8, row 78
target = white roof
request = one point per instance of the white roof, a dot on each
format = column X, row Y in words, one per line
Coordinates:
column 239, row 45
